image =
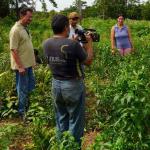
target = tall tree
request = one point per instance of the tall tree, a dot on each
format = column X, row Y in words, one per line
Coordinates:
column 134, row 9
column 44, row 5
column 110, row 8
column 6, row 5
column 102, row 6
column 146, row 10
column 30, row 3
column 4, row 8
column 80, row 4
column 133, row 2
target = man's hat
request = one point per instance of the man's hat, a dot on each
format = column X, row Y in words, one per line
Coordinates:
column 73, row 15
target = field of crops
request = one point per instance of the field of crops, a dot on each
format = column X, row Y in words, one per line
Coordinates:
column 117, row 94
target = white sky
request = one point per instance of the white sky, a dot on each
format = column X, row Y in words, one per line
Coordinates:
column 61, row 4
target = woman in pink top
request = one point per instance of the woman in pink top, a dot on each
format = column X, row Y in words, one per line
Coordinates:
column 121, row 38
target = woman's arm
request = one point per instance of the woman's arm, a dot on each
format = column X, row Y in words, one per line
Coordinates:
column 112, row 37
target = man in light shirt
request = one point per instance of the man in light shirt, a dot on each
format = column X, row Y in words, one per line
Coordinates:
column 74, row 19
column 22, row 59
column 74, row 24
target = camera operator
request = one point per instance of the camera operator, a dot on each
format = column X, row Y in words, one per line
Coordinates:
column 64, row 57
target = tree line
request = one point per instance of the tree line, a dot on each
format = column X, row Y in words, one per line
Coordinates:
column 7, row 7
column 133, row 9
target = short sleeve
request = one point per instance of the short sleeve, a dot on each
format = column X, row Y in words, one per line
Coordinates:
column 80, row 53
column 14, row 39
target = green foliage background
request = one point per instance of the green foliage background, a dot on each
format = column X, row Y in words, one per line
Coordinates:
column 120, row 85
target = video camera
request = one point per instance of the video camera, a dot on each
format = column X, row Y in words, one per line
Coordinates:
column 82, row 38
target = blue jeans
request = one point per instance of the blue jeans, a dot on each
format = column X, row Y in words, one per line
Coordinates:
column 24, row 85
column 69, row 102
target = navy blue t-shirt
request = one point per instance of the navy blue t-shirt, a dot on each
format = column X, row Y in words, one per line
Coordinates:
column 65, row 57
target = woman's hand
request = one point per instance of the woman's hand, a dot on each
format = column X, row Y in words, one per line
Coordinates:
column 132, row 50
column 113, row 50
